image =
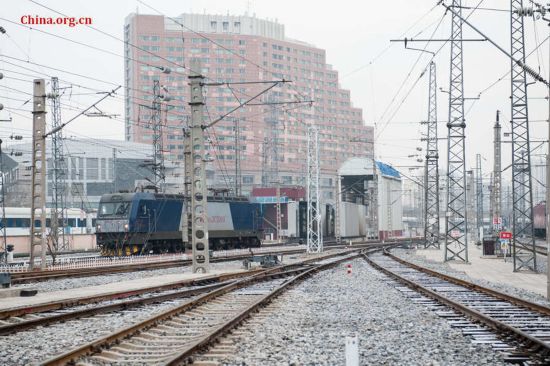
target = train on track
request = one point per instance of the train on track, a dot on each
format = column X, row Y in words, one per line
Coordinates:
column 143, row 222
column 77, row 221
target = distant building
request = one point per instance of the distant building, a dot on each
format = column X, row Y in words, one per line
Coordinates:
column 357, row 176
column 92, row 167
column 272, row 138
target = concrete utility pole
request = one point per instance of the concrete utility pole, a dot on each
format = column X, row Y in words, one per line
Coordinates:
column 314, row 227
column 497, row 177
column 187, row 182
column 456, row 224
column 479, row 196
column 38, row 181
column 523, row 241
column 199, row 206
column 431, row 175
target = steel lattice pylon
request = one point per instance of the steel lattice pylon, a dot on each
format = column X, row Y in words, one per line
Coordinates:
column 59, row 187
column 523, row 245
column 479, row 194
column 456, row 227
column 431, row 175
column 497, row 177
column 314, row 229
column 156, row 122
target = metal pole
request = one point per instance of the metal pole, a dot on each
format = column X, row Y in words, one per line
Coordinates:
column 337, row 199
column 456, row 222
column 497, row 177
column 199, row 205
column 115, row 189
column 523, row 240
column 238, row 174
column 314, row 229
column 158, row 153
column 3, row 205
column 38, row 183
column 548, row 191
column 431, row 175
column 479, row 197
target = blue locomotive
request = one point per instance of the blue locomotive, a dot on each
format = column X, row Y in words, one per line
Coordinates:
column 141, row 222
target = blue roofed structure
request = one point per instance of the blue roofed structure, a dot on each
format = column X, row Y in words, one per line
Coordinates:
column 387, row 170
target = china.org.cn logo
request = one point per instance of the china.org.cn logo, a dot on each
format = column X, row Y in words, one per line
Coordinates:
column 69, row 21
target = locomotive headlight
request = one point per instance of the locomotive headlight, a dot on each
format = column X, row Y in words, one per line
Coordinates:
column 98, row 228
column 125, row 227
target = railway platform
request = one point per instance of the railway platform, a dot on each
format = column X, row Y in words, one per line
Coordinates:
column 74, row 294
column 491, row 269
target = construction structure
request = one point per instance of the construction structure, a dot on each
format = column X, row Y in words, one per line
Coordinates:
column 479, row 197
column 496, row 191
column 58, row 242
column 456, row 225
column 431, row 174
column 158, row 150
column 314, row 230
column 523, row 242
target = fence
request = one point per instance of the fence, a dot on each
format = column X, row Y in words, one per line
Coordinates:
column 66, row 263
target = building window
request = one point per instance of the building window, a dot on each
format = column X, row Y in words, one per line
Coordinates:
column 92, row 169
column 248, row 179
column 213, row 25
column 103, row 169
column 225, row 26
column 237, row 25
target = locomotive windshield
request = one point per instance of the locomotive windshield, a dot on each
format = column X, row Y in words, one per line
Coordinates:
column 114, row 209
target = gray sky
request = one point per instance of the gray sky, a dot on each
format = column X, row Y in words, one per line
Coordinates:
column 384, row 78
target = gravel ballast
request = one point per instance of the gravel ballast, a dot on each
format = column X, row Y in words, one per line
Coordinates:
column 308, row 326
column 412, row 256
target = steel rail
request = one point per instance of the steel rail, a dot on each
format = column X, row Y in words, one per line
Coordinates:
column 36, row 276
column 185, row 355
column 529, row 343
column 61, row 304
column 218, row 280
column 105, row 342
column 545, row 310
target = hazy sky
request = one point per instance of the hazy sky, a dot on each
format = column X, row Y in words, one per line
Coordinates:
column 384, row 78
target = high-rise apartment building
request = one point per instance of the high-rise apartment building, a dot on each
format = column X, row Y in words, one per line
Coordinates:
column 233, row 51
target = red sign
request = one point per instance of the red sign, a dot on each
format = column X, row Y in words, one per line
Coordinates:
column 505, row 235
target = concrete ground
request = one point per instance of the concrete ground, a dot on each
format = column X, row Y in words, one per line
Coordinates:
column 491, row 269
column 110, row 288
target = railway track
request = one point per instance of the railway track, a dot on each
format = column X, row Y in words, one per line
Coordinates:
column 518, row 328
column 38, row 276
column 22, row 318
column 176, row 335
